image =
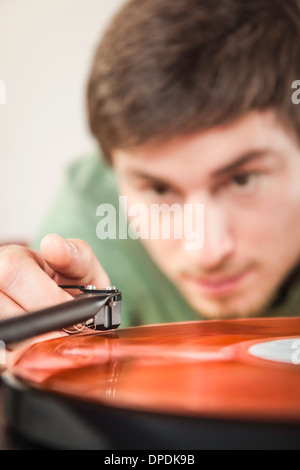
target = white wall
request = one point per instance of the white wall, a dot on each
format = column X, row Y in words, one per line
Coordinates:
column 46, row 48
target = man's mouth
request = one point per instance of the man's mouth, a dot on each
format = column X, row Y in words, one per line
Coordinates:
column 218, row 285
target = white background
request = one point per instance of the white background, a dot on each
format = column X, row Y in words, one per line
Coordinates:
column 46, row 49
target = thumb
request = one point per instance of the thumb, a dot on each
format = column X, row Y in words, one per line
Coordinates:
column 73, row 260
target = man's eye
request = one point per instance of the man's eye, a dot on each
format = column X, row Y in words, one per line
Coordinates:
column 245, row 183
column 242, row 179
column 161, row 189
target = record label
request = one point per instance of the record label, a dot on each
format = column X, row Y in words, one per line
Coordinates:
column 286, row 351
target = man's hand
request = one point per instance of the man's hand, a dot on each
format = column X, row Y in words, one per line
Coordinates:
column 29, row 280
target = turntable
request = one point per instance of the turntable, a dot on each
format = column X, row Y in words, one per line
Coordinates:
column 228, row 384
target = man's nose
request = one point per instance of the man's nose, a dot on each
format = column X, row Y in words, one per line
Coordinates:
column 219, row 241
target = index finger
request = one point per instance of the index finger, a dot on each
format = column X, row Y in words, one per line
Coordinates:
column 73, row 260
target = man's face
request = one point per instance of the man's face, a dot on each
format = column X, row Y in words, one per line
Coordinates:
column 247, row 176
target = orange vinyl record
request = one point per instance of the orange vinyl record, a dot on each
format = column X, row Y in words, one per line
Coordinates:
column 232, row 371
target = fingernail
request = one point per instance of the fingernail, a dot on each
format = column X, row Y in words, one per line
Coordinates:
column 72, row 246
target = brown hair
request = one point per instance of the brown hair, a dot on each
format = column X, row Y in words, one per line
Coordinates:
column 167, row 68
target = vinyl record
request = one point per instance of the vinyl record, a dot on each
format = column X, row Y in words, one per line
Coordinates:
column 244, row 374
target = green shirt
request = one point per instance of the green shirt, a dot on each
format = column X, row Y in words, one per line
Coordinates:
column 148, row 296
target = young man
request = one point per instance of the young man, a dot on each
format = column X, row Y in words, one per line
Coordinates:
column 191, row 102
